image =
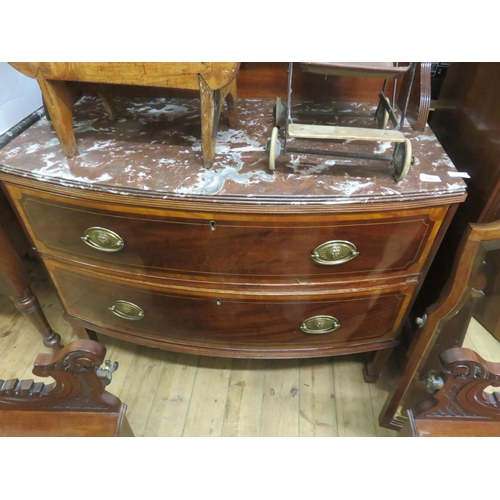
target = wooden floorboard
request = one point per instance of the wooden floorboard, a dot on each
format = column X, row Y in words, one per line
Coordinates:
column 280, row 408
column 317, row 399
column 173, row 396
column 243, row 411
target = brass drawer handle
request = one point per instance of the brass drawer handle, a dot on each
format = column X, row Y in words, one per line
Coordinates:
column 334, row 252
column 319, row 325
column 126, row 310
column 103, row 239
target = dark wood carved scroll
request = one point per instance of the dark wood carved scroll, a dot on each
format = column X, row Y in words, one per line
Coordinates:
column 463, row 395
column 463, row 406
column 76, row 385
column 75, row 405
column 446, row 323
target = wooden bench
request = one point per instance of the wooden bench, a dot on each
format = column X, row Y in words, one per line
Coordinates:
column 216, row 82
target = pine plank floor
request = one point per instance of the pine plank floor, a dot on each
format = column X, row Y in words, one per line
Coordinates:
column 172, row 395
column 480, row 340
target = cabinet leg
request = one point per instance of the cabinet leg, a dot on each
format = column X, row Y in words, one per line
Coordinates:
column 28, row 305
column 372, row 369
column 84, row 333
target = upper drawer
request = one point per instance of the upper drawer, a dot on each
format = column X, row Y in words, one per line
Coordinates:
column 229, row 245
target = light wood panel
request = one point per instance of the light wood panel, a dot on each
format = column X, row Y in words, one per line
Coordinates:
column 481, row 341
column 343, row 133
column 172, row 395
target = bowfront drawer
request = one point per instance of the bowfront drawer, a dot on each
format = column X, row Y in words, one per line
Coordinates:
column 229, row 245
column 288, row 324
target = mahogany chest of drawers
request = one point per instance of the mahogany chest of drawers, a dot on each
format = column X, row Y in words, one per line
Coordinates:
column 141, row 242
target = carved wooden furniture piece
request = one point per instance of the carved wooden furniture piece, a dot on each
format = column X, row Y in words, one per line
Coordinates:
column 466, row 121
column 232, row 261
column 444, row 323
column 466, row 405
column 75, row 405
column 216, row 82
column 16, row 283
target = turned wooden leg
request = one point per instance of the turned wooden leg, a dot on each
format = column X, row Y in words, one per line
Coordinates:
column 209, row 119
column 15, row 283
column 230, row 95
column 372, row 370
column 59, row 101
column 28, row 305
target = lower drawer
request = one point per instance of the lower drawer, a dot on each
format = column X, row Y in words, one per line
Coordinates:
column 274, row 325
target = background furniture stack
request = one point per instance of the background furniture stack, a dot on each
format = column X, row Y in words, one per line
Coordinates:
column 466, row 121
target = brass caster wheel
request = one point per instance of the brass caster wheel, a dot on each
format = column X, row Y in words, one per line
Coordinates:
column 273, row 149
column 402, row 159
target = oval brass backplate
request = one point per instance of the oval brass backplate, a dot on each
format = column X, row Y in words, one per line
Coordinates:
column 103, row 239
column 127, row 310
column 319, row 325
column 334, row 252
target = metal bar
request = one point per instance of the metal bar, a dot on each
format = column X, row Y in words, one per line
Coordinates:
column 340, row 154
column 408, row 93
column 389, row 109
column 20, row 127
column 288, row 100
column 385, row 85
column 394, row 88
column 382, row 92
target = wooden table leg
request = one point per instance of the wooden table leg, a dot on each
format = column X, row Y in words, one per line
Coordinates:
column 60, row 101
column 107, row 100
column 15, row 282
column 28, row 304
column 211, row 107
column 372, row 370
column 209, row 121
column 229, row 94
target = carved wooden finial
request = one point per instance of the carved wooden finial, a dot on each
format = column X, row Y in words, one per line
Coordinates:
column 467, row 375
column 76, row 385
